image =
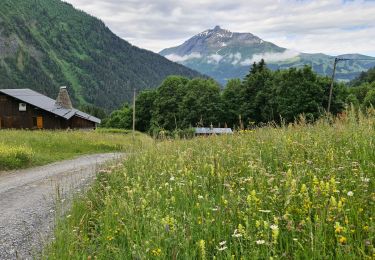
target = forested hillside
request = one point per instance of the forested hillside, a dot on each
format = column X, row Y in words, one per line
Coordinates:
column 47, row 43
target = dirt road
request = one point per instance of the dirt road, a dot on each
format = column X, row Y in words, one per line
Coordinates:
column 28, row 198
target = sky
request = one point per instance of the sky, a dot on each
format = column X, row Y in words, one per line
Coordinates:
column 322, row 26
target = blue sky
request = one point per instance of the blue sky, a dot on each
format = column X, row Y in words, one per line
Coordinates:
column 326, row 26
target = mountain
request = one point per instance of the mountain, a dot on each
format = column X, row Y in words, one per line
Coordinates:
column 45, row 44
column 223, row 55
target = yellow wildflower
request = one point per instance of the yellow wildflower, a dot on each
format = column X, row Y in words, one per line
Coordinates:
column 338, row 228
column 156, row 252
column 202, row 249
column 342, row 240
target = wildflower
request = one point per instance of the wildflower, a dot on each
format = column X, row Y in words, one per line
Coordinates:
column 169, row 223
column 236, row 233
column 338, row 228
column 200, row 197
column 274, row 227
column 350, row 193
column 202, row 249
column 172, row 178
column 222, row 248
column 156, row 252
column 333, row 201
column 260, row 242
column 222, row 243
column 275, row 232
column 303, row 188
column 342, row 240
column 257, row 223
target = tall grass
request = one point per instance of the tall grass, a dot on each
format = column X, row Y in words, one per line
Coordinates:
column 296, row 192
column 20, row 149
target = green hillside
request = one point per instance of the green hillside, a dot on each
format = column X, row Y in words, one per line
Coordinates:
column 47, row 43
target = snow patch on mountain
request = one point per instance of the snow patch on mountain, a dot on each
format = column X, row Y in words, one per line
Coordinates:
column 271, row 57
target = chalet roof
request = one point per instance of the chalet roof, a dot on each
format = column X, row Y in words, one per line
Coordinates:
column 48, row 104
column 208, row 130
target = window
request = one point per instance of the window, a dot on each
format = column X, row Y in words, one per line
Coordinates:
column 22, row 107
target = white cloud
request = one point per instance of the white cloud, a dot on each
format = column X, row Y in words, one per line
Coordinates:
column 177, row 58
column 236, row 58
column 270, row 57
column 214, row 58
column 329, row 26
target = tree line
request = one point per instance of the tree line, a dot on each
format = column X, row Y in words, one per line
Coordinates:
column 262, row 96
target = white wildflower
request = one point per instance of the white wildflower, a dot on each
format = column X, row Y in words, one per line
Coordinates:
column 222, row 243
column 200, row 197
column 350, row 194
column 260, row 242
column 222, row 248
column 236, row 234
column 274, row 227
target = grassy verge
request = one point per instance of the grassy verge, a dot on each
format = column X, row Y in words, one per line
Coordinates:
column 20, row 149
column 298, row 192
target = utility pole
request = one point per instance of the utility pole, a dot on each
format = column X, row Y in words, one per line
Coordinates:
column 331, row 88
column 333, row 82
column 134, row 111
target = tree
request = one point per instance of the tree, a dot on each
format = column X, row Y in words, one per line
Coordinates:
column 231, row 96
column 144, row 108
column 369, row 99
column 166, row 114
column 253, row 92
column 298, row 92
column 202, row 104
column 122, row 118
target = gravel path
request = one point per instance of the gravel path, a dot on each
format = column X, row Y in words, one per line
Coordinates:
column 28, row 198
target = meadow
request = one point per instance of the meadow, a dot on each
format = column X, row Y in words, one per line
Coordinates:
column 22, row 148
column 293, row 192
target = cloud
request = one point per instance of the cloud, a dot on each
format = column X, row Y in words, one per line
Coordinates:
column 236, row 58
column 270, row 57
column 177, row 58
column 329, row 26
column 214, row 58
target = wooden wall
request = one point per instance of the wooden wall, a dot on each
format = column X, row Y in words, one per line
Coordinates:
column 78, row 122
column 33, row 117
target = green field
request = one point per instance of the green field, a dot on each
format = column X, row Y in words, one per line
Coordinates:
column 21, row 149
column 294, row 192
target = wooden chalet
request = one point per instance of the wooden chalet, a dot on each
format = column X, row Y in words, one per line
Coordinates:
column 27, row 109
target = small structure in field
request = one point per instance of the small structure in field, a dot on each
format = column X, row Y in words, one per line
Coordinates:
column 28, row 109
column 212, row 131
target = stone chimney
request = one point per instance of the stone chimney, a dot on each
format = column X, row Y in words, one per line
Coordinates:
column 63, row 99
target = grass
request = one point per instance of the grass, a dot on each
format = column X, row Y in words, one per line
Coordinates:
column 295, row 192
column 21, row 148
